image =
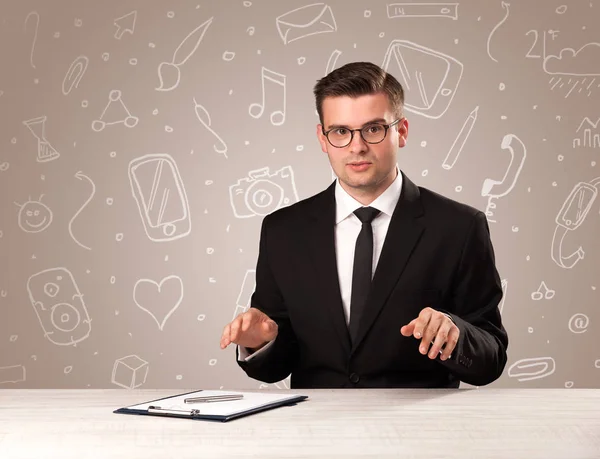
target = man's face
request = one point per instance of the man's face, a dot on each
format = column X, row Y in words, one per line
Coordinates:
column 362, row 167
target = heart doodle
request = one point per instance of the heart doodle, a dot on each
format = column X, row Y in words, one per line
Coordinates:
column 160, row 300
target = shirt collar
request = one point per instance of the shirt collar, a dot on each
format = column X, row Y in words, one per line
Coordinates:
column 385, row 202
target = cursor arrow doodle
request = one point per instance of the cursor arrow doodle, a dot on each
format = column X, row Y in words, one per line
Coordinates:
column 125, row 24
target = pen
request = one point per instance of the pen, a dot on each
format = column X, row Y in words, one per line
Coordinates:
column 214, row 398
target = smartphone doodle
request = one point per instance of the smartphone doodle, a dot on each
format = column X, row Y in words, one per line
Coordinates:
column 430, row 77
column 495, row 189
column 570, row 217
column 161, row 198
column 59, row 306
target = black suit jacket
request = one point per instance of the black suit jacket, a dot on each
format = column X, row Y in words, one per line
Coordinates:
column 437, row 253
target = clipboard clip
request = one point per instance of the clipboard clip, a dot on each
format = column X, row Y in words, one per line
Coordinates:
column 159, row 410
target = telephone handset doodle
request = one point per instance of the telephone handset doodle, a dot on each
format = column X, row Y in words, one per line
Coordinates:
column 570, row 217
column 498, row 188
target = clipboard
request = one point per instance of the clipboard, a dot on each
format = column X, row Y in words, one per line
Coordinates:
column 221, row 411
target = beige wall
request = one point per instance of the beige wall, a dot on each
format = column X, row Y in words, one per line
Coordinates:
column 97, row 292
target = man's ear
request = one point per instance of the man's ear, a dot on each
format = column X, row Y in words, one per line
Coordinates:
column 322, row 139
column 402, row 132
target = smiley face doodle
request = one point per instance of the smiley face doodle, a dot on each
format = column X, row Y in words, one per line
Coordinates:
column 34, row 216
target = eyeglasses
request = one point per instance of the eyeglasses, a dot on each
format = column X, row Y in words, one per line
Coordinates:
column 341, row 137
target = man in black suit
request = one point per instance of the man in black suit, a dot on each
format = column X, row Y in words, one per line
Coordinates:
column 375, row 281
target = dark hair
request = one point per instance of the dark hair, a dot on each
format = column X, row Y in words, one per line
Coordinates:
column 359, row 79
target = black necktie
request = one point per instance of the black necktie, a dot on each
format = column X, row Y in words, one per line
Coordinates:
column 363, row 267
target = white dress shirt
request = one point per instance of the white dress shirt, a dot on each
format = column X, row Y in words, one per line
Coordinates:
column 347, row 227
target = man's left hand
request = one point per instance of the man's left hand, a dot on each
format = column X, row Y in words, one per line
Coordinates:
column 433, row 327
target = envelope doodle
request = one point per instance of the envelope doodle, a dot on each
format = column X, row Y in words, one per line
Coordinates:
column 305, row 21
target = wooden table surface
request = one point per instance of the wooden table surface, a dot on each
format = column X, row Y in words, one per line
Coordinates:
column 339, row 423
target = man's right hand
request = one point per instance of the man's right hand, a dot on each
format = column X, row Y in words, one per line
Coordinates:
column 252, row 329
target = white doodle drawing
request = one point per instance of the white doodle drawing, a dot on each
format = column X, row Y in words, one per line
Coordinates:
column 34, row 216
column 495, row 189
column 502, row 21
column 12, row 374
column 579, row 323
column 121, row 114
column 204, row 117
column 582, row 62
column 244, row 298
column 570, row 217
column 125, row 24
column 282, row 385
column 130, row 372
column 278, row 83
column 160, row 195
column 332, row 61
column 543, row 292
column 74, row 74
column 431, row 91
column 460, row 140
column 169, row 73
column 422, row 10
column 37, row 26
column 59, row 306
column 45, row 151
column 160, row 300
column 305, row 21
column 80, row 176
column 578, row 65
column 4, row 166
column 522, row 369
column 262, row 192
column 504, row 284
column 591, row 135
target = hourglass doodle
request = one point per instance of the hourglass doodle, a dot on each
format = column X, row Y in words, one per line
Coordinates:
column 45, row 151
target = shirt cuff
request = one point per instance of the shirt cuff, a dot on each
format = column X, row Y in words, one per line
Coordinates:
column 244, row 355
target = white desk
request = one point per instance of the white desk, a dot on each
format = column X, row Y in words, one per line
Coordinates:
column 352, row 423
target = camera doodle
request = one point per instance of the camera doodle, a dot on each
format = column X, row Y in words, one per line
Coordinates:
column 263, row 193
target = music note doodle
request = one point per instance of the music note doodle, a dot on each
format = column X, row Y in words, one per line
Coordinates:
column 278, row 84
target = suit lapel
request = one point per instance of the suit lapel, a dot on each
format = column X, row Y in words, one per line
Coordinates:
column 321, row 248
column 402, row 236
